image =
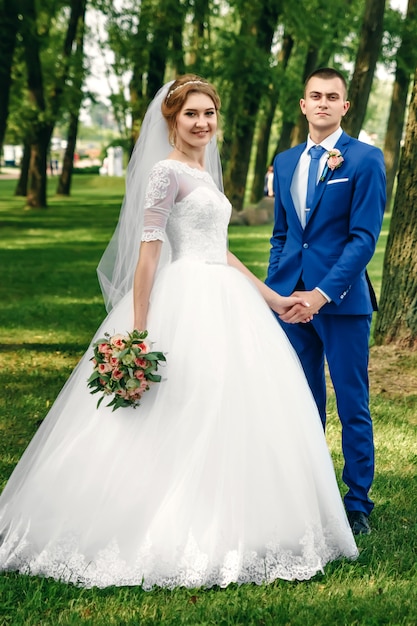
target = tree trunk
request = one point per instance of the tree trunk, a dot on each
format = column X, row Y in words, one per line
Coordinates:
column 8, row 30
column 365, row 64
column 257, row 31
column 168, row 11
column 264, row 130
column 44, row 119
column 295, row 132
column 406, row 59
column 36, row 188
column 262, row 144
column 300, row 130
column 396, row 321
column 37, row 191
column 150, row 59
column 137, row 94
column 284, row 141
column 177, row 16
column 200, row 29
column 65, row 179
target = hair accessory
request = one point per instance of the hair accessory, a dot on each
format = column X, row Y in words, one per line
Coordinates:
column 189, row 82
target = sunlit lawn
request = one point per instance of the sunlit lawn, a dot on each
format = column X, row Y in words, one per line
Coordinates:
column 50, row 307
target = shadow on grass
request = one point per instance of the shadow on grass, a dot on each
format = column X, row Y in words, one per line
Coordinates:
column 68, row 348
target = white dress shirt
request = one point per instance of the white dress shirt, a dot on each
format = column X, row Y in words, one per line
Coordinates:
column 299, row 181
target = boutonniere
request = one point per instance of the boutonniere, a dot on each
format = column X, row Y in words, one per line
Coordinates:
column 334, row 161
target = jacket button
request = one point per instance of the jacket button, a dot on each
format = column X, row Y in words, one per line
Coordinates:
column 305, row 246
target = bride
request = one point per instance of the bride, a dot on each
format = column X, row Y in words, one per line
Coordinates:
column 222, row 474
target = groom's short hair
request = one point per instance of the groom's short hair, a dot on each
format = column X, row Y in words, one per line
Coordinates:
column 327, row 73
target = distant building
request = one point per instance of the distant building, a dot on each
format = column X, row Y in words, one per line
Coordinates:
column 12, row 156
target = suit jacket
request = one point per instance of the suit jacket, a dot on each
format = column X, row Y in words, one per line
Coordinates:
column 340, row 236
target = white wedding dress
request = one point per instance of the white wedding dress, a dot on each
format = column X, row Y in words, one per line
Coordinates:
column 221, row 475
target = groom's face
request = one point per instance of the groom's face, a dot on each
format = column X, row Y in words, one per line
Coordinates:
column 324, row 104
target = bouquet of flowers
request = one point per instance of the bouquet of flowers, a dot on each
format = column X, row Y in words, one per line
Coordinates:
column 124, row 368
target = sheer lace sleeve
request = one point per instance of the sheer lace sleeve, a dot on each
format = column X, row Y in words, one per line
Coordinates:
column 159, row 200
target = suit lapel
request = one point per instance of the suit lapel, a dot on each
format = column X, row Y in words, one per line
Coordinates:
column 287, row 172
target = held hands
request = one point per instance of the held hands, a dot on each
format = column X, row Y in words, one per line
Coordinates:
column 295, row 305
column 305, row 305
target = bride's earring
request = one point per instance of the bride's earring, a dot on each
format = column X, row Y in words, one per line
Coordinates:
column 172, row 138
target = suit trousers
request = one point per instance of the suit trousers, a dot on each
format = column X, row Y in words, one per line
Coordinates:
column 343, row 341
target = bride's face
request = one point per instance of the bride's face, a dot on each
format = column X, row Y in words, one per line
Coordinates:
column 196, row 122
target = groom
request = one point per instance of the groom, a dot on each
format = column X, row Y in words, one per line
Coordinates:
column 329, row 205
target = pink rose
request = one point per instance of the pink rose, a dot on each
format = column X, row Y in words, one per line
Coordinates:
column 117, row 374
column 144, row 348
column 135, row 394
column 335, row 159
column 114, row 361
column 118, row 341
column 141, row 362
column 104, row 348
column 139, row 374
column 103, row 368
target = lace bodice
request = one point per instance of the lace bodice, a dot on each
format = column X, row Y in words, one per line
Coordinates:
column 185, row 204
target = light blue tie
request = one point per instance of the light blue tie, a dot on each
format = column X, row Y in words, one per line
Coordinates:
column 315, row 153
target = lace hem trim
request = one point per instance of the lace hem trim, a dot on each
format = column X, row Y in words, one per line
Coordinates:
column 189, row 567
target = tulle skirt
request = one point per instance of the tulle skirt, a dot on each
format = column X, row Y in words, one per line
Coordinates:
column 221, row 475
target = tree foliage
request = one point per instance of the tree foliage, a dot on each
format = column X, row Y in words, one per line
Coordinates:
column 45, row 41
column 366, row 59
column 257, row 53
column 405, row 61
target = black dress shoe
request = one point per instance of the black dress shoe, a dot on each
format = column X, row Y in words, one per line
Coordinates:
column 359, row 524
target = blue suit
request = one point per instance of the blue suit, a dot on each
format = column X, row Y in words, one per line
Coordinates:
column 332, row 253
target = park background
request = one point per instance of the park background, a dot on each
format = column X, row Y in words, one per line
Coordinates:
column 77, row 76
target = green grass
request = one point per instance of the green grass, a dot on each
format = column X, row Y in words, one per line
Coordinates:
column 50, row 307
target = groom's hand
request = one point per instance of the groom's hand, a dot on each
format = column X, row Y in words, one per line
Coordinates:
column 299, row 313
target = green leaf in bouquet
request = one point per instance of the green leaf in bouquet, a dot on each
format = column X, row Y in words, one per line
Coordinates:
column 93, row 376
column 154, row 378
